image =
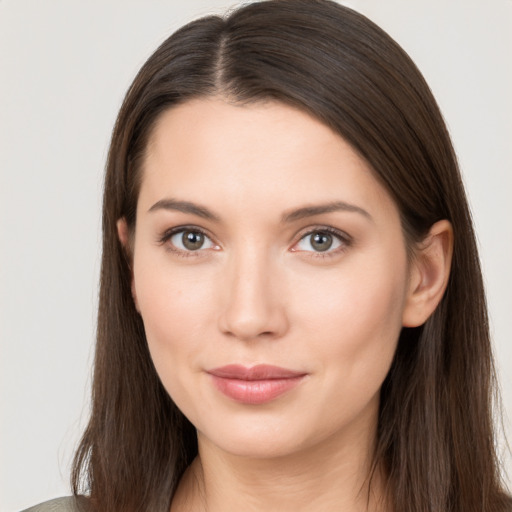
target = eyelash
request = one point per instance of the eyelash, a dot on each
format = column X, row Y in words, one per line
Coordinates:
column 344, row 239
column 167, row 235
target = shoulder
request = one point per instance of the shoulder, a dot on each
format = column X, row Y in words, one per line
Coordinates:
column 67, row 504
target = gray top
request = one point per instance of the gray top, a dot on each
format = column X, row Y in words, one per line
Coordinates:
column 67, row 504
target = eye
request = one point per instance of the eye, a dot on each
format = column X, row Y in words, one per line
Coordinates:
column 190, row 240
column 321, row 241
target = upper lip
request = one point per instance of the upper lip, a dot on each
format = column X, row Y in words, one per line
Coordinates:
column 258, row 372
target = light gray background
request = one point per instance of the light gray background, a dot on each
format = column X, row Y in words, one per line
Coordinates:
column 64, row 68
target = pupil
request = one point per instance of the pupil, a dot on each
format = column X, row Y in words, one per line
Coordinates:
column 193, row 240
column 321, row 241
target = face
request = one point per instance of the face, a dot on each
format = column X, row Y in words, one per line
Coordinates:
column 270, row 271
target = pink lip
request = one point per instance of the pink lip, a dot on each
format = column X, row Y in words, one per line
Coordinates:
column 255, row 385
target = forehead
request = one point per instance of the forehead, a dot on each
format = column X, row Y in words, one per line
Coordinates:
column 208, row 150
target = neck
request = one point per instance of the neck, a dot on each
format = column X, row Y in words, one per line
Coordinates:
column 331, row 476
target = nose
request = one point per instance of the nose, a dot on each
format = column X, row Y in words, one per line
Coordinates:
column 254, row 305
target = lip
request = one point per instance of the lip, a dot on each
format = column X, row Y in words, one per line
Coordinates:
column 254, row 385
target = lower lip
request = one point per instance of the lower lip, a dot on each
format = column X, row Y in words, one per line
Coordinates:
column 255, row 391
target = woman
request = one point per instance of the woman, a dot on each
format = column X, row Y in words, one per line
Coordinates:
column 291, row 313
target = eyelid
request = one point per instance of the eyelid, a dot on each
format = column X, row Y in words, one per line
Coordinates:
column 169, row 233
column 345, row 239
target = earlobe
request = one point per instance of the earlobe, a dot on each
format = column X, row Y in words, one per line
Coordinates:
column 430, row 270
column 123, row 234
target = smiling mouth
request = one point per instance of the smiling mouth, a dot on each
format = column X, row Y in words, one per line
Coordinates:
column 255, row 385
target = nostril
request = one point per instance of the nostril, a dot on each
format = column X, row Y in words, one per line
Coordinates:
column 250, row 308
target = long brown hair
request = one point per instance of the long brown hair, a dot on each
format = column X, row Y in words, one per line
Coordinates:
column 435, row 433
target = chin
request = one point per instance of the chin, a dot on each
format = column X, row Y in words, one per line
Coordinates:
column 264, row 436
column 264, row 446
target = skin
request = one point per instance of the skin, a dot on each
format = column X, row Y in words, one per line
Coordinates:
column 258, row 291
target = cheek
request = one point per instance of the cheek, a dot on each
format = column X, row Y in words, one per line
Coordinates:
column 174, row 304
column 353, row 320
column 356, row 298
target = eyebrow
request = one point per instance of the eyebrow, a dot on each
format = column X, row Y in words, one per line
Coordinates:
column 287, row 217
column 184, row 207
column 311, row 211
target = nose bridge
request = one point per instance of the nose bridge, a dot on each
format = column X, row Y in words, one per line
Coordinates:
column 252, row 306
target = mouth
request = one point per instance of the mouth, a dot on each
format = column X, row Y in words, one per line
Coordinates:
column 255, row 385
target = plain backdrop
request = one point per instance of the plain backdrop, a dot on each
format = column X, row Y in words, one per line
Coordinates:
column 64, row 68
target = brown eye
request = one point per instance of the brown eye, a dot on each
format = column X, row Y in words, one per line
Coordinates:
column 192, row 240
column 188, row 240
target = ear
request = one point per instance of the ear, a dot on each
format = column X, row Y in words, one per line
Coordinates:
column 429, row 273
column 123, row 233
